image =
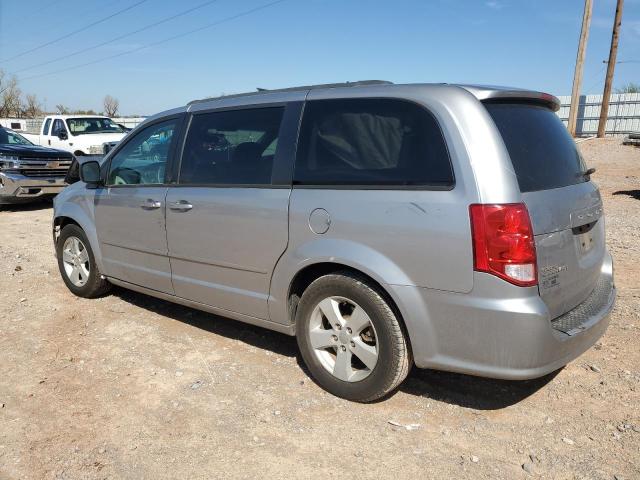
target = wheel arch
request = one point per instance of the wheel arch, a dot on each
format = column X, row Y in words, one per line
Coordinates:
column 62, row 221
column 73, row 214
column 311, row 272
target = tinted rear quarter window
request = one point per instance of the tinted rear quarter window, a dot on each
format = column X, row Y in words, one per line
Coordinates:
column 371, row 142
column 543, row 154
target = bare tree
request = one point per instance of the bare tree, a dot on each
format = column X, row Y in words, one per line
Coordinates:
column 111, row 106
column 10, row 97
column 13, row 104
column 91, row 111
column 32, row 107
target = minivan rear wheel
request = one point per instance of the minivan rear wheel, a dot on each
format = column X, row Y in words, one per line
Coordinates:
column 350, row 338
column 77, row 264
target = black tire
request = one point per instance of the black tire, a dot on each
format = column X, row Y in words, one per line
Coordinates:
column 394, row 355
column 95, row 285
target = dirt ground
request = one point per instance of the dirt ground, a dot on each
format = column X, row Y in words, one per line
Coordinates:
column 132, row 387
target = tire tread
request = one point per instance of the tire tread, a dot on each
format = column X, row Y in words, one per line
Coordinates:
column 400, row 350
column 402, row 359
column 97, row 286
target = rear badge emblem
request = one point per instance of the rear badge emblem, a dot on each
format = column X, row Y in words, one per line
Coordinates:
column 550, row 274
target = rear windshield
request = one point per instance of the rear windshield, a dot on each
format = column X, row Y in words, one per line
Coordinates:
column 543, row 154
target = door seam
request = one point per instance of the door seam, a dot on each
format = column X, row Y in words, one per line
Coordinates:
column 166, row 237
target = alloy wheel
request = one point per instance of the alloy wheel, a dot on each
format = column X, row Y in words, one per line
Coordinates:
column 75, row 258
column 343, row 339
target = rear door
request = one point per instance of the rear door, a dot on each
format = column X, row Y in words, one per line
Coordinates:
column 564, row 205
column 130, row 210
column 227, row 218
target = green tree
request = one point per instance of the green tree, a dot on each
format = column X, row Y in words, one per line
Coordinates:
column 629, row 88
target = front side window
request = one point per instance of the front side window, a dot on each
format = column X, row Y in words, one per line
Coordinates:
column 143, row 160
column 235, row 147
column 382, row 142
column 58, row 127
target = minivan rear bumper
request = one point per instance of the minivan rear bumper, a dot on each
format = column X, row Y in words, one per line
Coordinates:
column 501, row 331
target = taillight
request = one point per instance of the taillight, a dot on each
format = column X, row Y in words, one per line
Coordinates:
column 503, row 242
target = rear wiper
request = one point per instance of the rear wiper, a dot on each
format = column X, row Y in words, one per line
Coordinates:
column 588, row 172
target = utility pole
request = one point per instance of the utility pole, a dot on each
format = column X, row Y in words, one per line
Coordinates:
column 604, row 111
column 577, row 76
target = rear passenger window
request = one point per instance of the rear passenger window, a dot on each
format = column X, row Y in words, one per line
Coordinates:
column 381, row 142
column 234, row 147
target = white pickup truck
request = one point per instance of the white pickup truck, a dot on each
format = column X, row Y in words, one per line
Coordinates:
column 78, row 134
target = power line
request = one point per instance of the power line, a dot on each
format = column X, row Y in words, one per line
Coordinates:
column 160, row 42
column 597, row 82
column 39, row 12
column 120, row 37
column 82, row 29
column 623, row 61
column 43, row 9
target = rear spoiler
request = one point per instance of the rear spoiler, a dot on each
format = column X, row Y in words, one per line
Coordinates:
column 501, row 94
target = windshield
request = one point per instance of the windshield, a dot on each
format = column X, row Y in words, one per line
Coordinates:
column 12, row 138
column 543, row 154
column 86, row 126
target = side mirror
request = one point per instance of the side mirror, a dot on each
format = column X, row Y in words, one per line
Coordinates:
column 63, row 135
column 90, row 174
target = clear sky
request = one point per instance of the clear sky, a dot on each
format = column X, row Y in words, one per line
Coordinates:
column 529, row 44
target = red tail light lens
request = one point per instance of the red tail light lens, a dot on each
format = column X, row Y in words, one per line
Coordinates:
column 503, row 243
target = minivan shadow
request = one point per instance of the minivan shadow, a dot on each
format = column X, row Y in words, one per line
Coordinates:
column 632, row 193
column 472, row 392
column 27, row 206
column 453, row 388
column 250, row 334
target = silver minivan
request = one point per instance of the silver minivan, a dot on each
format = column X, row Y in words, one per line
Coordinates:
column 452, row 227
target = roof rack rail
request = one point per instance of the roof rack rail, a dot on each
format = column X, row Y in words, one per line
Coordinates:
column 360, row 83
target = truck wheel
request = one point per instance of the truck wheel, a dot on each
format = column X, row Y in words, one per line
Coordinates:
column 77, row 264
column 350, row 338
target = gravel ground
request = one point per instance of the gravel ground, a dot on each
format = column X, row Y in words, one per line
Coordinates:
column 132, row 387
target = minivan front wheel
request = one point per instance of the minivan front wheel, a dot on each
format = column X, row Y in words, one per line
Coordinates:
column 350, row 338
column 77, row 264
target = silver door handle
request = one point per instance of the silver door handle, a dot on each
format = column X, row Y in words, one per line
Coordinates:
column 150, row 204
column 180, row 206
